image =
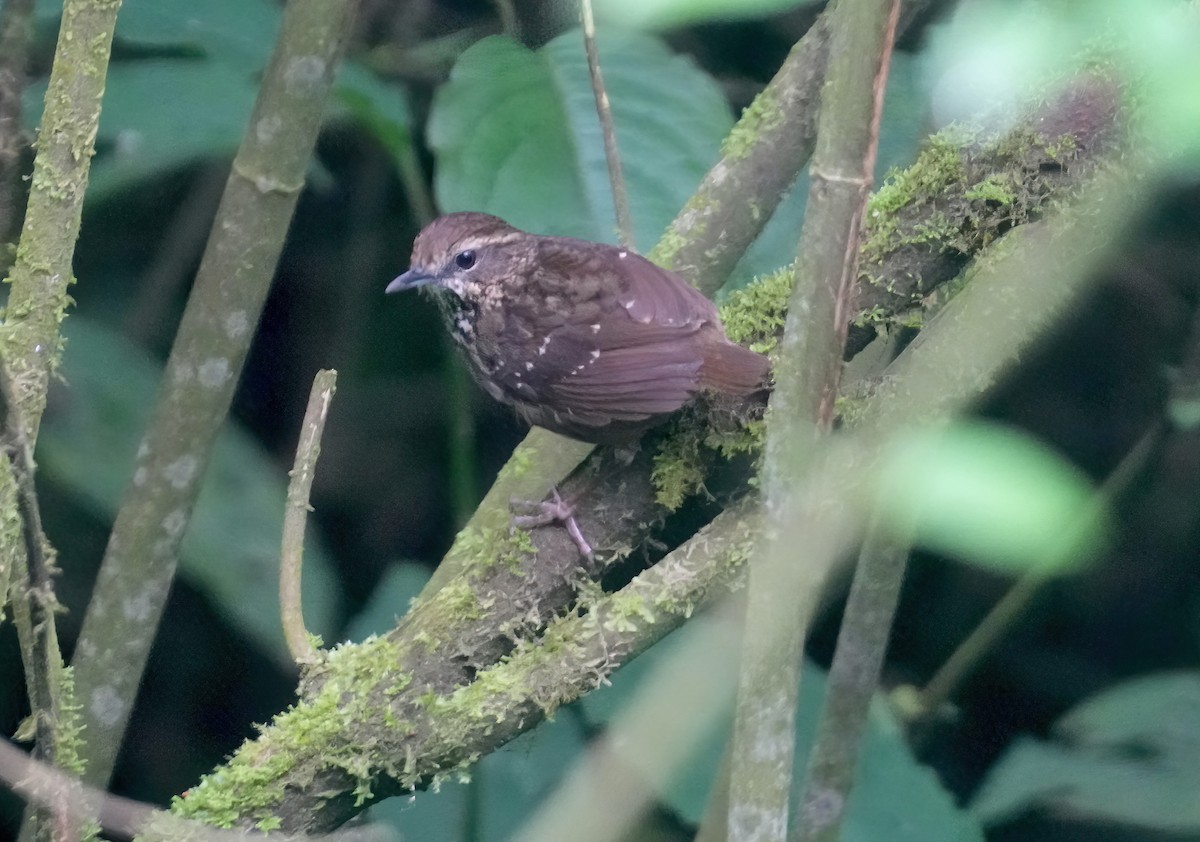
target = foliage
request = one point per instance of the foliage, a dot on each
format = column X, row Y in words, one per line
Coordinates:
column 182, row 84
column 516, row 134
column 1128, row 756
column 513, row 131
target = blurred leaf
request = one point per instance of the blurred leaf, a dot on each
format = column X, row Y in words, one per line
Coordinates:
column 1129, row 756
column 990, row 495
column 1004, row 53
column 516, row 134
column 378, row 107
column 182, row 84
column 894, row 798
column 234, row 31
column 389, row 601
column 661, row 14
column 231, row 550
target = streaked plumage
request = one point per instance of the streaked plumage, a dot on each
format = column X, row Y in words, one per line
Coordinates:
column 585, row 339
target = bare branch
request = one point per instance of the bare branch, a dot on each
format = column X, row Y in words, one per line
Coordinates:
column 604, row 111
column 295, row 517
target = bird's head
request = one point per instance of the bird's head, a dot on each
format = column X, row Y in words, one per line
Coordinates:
column 469, row 254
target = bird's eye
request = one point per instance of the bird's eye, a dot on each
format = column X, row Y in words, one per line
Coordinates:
column 465, row 259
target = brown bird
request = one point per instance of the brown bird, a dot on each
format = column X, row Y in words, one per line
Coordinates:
column 588, row 340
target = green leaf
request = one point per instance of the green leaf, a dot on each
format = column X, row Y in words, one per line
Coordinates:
column 183, row 82
column 894, row 797
column 231, row 550
column 989, row 495
column 662, row 14
column 1128, row 756
column 236, row 31
column 515, row 133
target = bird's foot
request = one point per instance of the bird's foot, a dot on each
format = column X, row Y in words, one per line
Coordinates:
column 554, row 510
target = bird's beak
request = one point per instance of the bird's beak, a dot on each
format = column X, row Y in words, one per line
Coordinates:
column 411, row 279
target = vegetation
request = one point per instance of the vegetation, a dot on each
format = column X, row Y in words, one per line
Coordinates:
column 980, row 529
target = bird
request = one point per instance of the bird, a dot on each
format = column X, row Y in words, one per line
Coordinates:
column 586, row 339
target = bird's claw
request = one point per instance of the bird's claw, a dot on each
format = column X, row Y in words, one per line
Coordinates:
column 554, row 510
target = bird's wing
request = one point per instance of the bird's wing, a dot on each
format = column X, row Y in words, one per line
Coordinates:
column 638, row 354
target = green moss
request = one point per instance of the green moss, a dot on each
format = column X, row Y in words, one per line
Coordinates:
column 679, row 465
column 997, row 187
column 754, row 315
column 69, row 740
column 305, row 739
column 673, row 240
column 762, row 115
column 266, row 825
column 936, row 172
column 482, row 548
column 517, row 547
column 458, row 600
column 748, row 437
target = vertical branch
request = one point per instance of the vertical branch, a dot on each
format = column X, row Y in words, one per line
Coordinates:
column 295, row 517
column 29, row 341
column 28, row 554
column 784, row 583
column 604, row 111
column 29, row 338
column 202, row 372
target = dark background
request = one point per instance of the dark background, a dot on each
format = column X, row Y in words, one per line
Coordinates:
column 385, row 492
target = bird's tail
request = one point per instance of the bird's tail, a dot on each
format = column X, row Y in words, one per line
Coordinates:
column 728, row 367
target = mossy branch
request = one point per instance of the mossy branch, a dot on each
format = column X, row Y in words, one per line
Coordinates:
column 303, row 774
column 511, row 585
column 202, row 372
column 29, row 341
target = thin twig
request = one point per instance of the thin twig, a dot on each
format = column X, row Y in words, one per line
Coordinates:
column 604, row 111
column 206, row 361
column 295, row 517
column 1012, row 606
column 33, row 601
column 784, row 582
